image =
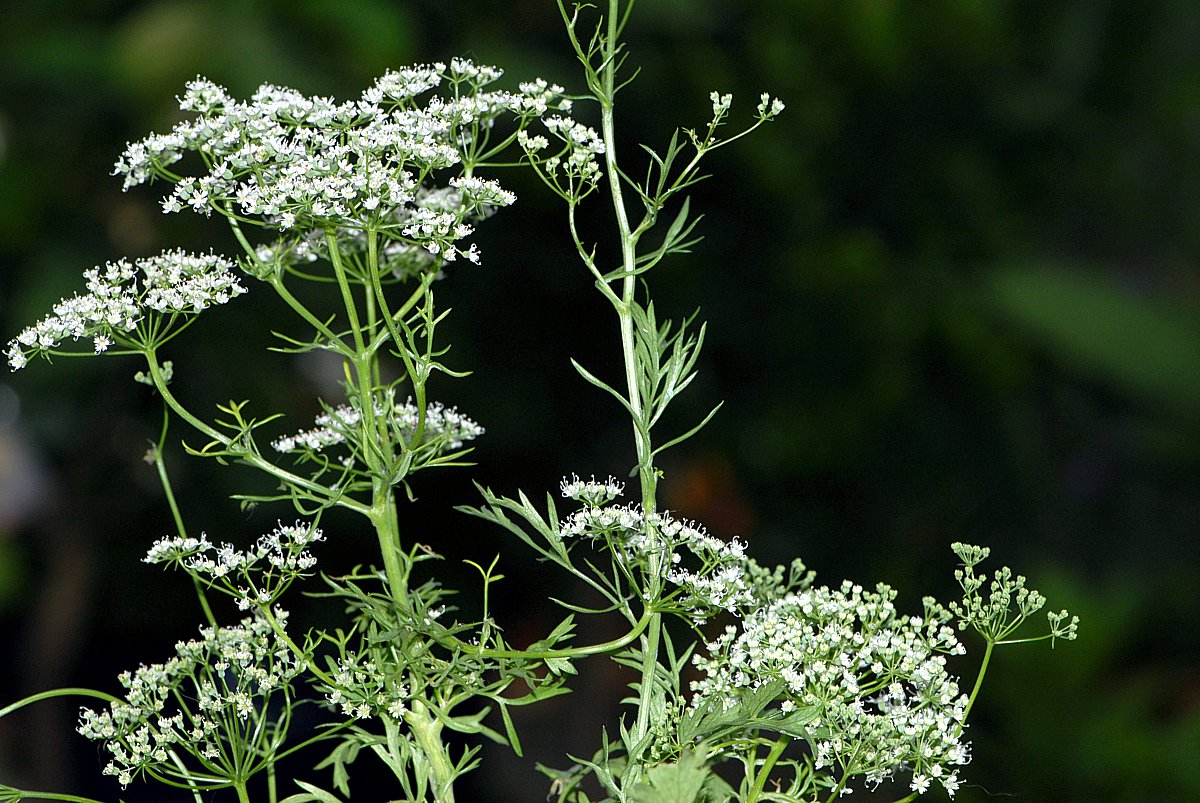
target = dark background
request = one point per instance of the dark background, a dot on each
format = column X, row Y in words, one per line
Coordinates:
column 953, row 294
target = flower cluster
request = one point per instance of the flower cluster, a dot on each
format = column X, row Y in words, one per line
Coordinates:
column 591, row 492
column 361, row 690
column 711, row 573
column 877, row 680
column 574, row 169
column 122, row 295
column 255, row 576
column 1008, row 604
column 209, row 701
column 297, row 163
column 583, row 143
column 769, row 107
column 445, row 427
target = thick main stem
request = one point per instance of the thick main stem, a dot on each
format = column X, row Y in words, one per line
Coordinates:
column 387, row 530
column 646, row 474
column 427, row 730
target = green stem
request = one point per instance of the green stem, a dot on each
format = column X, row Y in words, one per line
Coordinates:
column 387, row 530
column 837, row 790
column 628, row 289
column 383, row 504
column 577, row 652
column 204, row 606
column 391, row 318
column 760, row 780
column 276, row 281
column 587, row 258
column 303, row 311
column 983, row 667
column 243, row 795
column 300, row 654
column 246, row 456
column 339, row 271
column 376, row 292
column 70, row 691
column 427, row 729
column 363, row 357
column 161, row 467
column 25, row 794
column 183, row 773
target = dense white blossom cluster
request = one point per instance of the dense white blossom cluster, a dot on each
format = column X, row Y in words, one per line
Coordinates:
column 297, row 163
column 877, row 680
column 445, row 426
column 121, row 295
column 361, row 690
column 207, row 701
column 710, row 573
column 255, row 576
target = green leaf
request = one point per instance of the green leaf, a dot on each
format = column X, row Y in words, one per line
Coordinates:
column 713, row 723
column 311, row 794
column 673, row 783
column 681, row 438
column 793, row 724
column 345, row 753
column 602, row 385
column 511, row 730
column 561, row 666
column 564, row 631
column 537, row 694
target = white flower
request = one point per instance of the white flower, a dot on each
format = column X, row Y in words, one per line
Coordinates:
column 532, row 144
column 583, row 147
column 271, row 564
column 951, row 784
column 121, row 295
column 16, row 357
column 591, row 492
column 718, row 582
column 213, row 684
column 445, row 427
column 303, row 163
column 720, row 104
column 876, row 679
column 769, row 107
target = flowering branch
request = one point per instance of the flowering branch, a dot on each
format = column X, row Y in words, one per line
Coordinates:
column 811, row 689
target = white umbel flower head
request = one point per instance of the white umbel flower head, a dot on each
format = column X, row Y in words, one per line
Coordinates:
column 201, row 705
column 268, row 567
column 122, row 295
column 445, row 428
column 295, row 164
column 592, row 493
column 876, row 680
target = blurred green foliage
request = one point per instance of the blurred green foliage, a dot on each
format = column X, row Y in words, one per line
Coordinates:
column 953, row 295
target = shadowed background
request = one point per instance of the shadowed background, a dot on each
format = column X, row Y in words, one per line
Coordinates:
column 953, row 294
